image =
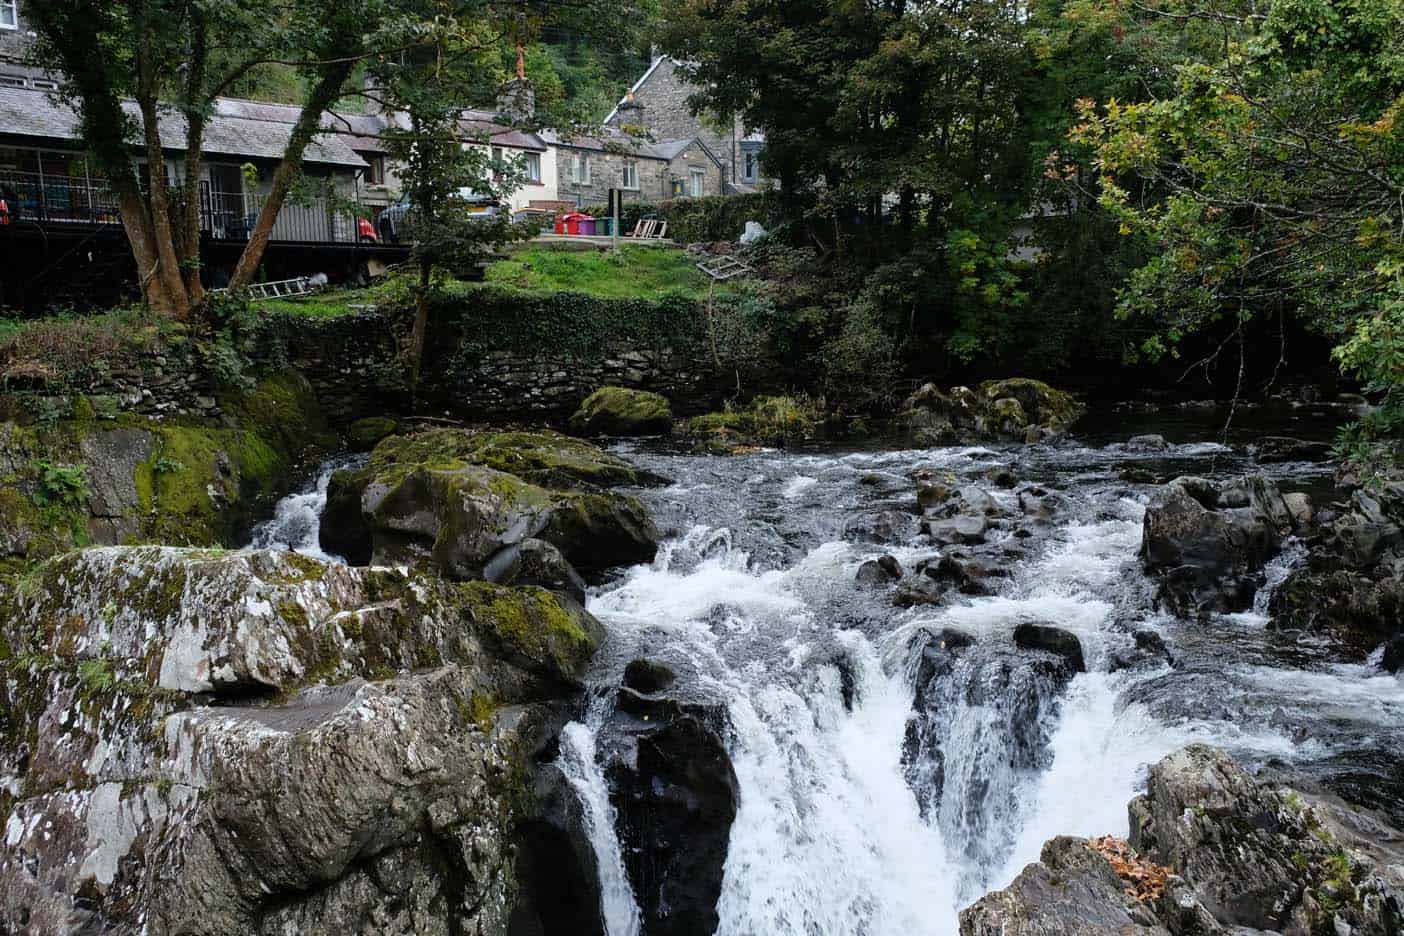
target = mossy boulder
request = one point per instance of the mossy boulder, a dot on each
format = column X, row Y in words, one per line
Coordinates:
column 766, row 420
column 454, row 499
column 617, row 411
column 1043, row 406
column 1014, row 409
column 455, row 518
column 363, row 434
column 388, row 716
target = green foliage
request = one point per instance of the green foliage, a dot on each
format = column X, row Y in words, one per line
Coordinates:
column 766, row 420
column 635, row 271
column 700, row 220
column 489, row 318
column 59, row 486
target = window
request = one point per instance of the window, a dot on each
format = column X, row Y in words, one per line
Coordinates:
column 532, row 165
column 629, row 177
column 43, row 84
column 11, row 81
column 580, row 168
column 375, row 167
column 9, row 14
column 750, row 166
column 698, row 182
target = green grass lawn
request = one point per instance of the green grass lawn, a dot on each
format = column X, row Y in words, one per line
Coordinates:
column 633, row 272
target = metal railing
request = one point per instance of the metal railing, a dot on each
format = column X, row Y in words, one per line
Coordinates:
column 228, row 216
column 57, row 199
column 233, row 215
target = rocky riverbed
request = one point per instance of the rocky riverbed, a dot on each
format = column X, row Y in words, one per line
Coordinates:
column 815, row 692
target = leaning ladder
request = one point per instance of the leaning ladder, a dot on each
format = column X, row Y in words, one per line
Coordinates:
column 278, row 289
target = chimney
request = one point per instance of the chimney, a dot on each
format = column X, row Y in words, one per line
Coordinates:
column 631, row 112
column 517, row 101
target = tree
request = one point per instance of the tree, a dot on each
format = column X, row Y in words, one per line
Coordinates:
column 1270, row 177
column 140, row 73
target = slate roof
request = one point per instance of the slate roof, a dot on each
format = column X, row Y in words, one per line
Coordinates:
column 484, row 126
column 241, row 132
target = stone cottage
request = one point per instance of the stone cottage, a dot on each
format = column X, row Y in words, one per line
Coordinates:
column 656, row 108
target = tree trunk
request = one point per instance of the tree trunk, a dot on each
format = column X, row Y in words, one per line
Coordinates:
column 419, row 330
column 323, row 95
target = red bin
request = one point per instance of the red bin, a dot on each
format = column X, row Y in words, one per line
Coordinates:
column 560, row 224
column 572, row 222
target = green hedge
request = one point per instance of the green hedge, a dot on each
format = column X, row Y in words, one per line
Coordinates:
column 696, row 220
column 469, row 326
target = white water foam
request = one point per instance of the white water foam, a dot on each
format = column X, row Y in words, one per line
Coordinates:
column 577, row 762
column 297, row 519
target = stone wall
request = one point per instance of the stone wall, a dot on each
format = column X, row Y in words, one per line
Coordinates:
column 164, row 381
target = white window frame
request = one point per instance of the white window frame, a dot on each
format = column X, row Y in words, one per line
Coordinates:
column 531, row 162
column 580, row 168
column 629, row 175
column 12, row 6
column 696, row 182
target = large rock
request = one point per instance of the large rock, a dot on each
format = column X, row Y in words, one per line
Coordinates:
column 1208, row 543
column 79, row 481
column 676, row 795
column 1070, row 891
column 1262, row 856
column 206, row 742
column 455, row 500
column 616, row 411
column 1212, row 851
column 1014, row 409
column 1352, row 584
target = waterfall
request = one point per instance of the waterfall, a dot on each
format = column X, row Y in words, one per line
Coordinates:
column 577, row 762
column 297, row 519
column 880, row 797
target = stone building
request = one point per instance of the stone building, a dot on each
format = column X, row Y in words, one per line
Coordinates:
column 588, row 167
column 656, row 108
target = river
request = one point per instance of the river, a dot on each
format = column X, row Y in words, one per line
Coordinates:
column 864, row 813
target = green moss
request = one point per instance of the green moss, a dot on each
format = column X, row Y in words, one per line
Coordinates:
column 618, row 411
column 82, row 409
column 293, row 613
column 531, row 624
column 363, row 434
column 481, row 709
column 767, row 420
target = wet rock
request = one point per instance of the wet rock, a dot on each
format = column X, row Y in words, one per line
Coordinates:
column 1208, row 543
column 879, row 571
column 881, row 526
column 1213, row 851
column 1393, row 659
column 1147, row 443
column 1300, row 507
column 1352, row 583
column 1002, row 478
column 1283, row 449
column 932, row 494
column 1054, row 640
column 1015, row 409
column 964, row 573
column 617, row 411
column 648, row 676
column 1135, row 474
column 359, row 765
column 965, row 529
column 1261, row 856
column 536, row 562
column 918, row 590
column 452, row 500
column 1070, row 891
column 1040, row 505
column 556, row 867
column 364, row 434
column 675, row 794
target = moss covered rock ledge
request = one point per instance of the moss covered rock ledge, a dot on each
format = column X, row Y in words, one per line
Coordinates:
column 85, row 478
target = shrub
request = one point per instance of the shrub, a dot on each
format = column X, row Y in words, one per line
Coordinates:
column 699, row 220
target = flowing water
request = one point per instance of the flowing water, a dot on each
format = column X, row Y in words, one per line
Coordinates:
column 879, row 795
column 887, row 816
column 297, row 519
